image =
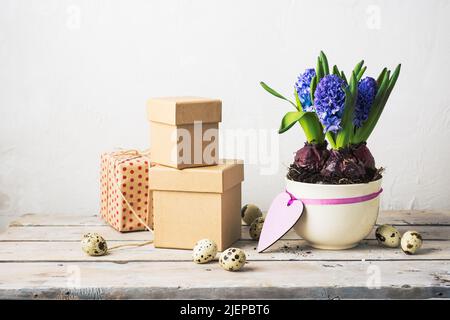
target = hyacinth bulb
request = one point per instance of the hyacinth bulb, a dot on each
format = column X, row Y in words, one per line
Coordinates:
column 364, row 156
column 312, row 157
column 343, row 164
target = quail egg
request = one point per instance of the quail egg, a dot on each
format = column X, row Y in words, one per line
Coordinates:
column 256, row 228
column 232, row 259
column 249, row 213
column 411, row 242
column 94, row 244
column 388, row 236
column 204, row 251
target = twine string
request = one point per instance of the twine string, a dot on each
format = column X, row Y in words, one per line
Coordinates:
column 136, row 244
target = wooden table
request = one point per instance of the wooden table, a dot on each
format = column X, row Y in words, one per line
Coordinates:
column 40, row 257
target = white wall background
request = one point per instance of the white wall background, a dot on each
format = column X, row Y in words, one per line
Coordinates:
column 75, row 76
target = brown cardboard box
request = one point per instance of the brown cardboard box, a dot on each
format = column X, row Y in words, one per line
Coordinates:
column 197, row 203
column 124, row 190
column 184, row 131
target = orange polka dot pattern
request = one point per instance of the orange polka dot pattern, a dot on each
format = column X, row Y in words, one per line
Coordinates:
column 130, row 176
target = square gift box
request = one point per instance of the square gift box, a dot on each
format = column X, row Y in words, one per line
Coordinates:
column 184, row 131
column 197, row 203
column 126, row 201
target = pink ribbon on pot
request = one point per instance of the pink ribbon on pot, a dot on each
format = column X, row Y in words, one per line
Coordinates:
column 327, row 202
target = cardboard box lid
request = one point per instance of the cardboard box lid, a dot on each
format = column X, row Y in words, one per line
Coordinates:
column 212, row 179
column 184, row 110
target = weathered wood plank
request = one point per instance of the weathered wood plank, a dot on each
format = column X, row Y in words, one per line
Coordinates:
column 146, row 272
column 262, row 280
column 33, row 219
column 397, row 217
column 415, row 217
column 74, row 233
column 283, row 250
column 69, row 233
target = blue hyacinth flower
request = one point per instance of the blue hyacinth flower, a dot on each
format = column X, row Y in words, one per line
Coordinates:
column 329, row 100
column 302, row 86
column 367, row 90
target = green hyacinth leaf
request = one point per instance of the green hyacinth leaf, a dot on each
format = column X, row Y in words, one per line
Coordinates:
column 361, row 133
column 323, row 58
column 361, row 73
column 336, row 71
column 313, row 87
column 344, row 136
column 381, row 77
column 394, row 78
column 289, row 120
column 276, row 94
column 319, row 69
column 358, row 67
column 382, row 103
column 381, row 90
column 386, row 88
column 312, row 128
column 297, row 100
column 308, row 121
column 331, row 137
column 344, row 77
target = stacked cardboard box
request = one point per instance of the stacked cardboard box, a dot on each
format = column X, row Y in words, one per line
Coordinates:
column 195, row 194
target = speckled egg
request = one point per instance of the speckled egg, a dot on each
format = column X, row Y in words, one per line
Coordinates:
column 94, row 244
column 411, row 242
column 388, row 236
column 232, row 259
column 204, row 251
column 250, row 213
column 256, row 228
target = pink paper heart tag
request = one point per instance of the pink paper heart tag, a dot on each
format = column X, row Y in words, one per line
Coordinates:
column 283, row 214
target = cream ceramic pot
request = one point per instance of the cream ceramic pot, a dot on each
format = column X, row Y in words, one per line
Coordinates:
column 340, row 226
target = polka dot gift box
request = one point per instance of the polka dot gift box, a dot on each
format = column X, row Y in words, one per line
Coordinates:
column 126, row 201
